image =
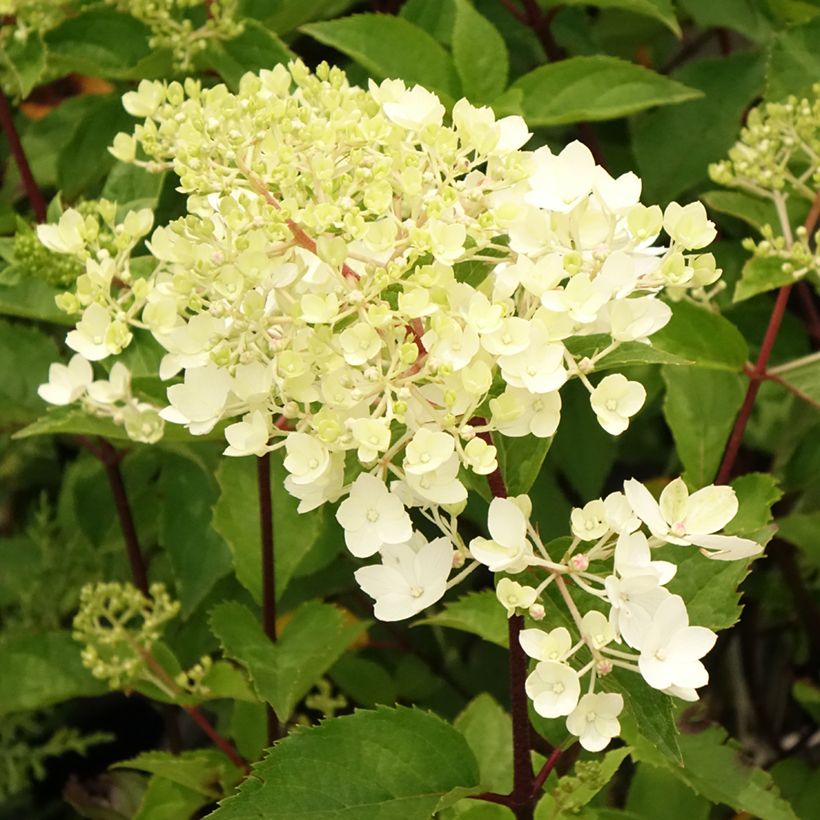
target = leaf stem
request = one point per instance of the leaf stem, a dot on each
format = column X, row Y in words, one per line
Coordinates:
column 33, row 193
column 758, row 373
column 268, row 571
column 110, row 459
column 548, row 766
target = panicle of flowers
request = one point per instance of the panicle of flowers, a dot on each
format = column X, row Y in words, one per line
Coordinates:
column 778, row 157
column 614, row 595
column 118, row 626
column 376, row 288
column 174, row 27
column 110, row 398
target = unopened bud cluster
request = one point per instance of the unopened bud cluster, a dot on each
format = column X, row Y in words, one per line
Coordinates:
column 778, row 157
column 118, row 625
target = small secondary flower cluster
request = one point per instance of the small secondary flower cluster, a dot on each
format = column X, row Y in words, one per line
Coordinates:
column 110, row 398
column 778, row 157
column 609, row 566
column 356, row 277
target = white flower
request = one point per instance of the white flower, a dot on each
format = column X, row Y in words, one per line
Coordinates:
column 142, row 423
column 589, row 523
column 689, row 225
column 327, row 487
column 671, row 649
column 372, row 516
column 198, row 402
column 512, row 595
column 553, row 688
column 412, row 577
column 439, row 486
column 634, row 320
column 683, row 519
column 307, row 458
column 372, row 436
column 546, row 646
column 249, row 436
column 67, row 236
column 480, row 457
column 615, row 400
column 560, row 182
column 633, row 557
column 634, row 599
column 414, row 109
column 90, row 339
column 116, row 387
column 517, row 412
column 595, row 720
column 597, row 628
column 427, row 451
column 509, row 550
column 539, row 368
column 619, row 513
column 619, row 194
column 66, row 383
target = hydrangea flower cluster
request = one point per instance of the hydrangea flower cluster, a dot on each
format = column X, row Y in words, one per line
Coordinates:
column 609, row 564
column 377, row 289
column 357, row 278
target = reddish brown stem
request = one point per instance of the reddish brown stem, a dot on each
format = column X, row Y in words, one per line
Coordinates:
column 521, row 799
column 35, row 197
column 542, row 776
column 795, row 391
column 224, row 745
column 268, row 570
column 110, row 459
column 806, row 296
column 758, row 373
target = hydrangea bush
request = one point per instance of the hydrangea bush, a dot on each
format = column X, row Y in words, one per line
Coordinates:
column 362, row 302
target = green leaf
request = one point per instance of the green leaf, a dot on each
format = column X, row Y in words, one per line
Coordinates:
column 759, row 275
column 388, row 46
column 700, row 407
column 520, row 459
column 674, row 146
column 41, row 670
column 132, row 188
column 25, row 356
column 804, row 375
column 650, row 784
column 627, row 353
column 437, row 17
column 23, row 63
column 648, row 717
column 807, row 694
column 480, row 54
column 745, row 16
column 753, row 210
column 660, row 10
column 255, row 48
column 199, row 556
column 284, row 672
column 282, row 16
column 595, row 88
column 200, row 770
column 715, row 768
column 301, row 540
column 801, row 530
column 476, row 612
column 756, row 494
column 99, row 42
column 32, row 299
column 794, row 61
column 709, row 588
column 387, row 764
column 73, row 420
column 488, row 731
column 85, row 159
column 703, row 337
column 165, row 800
column 366, row 681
